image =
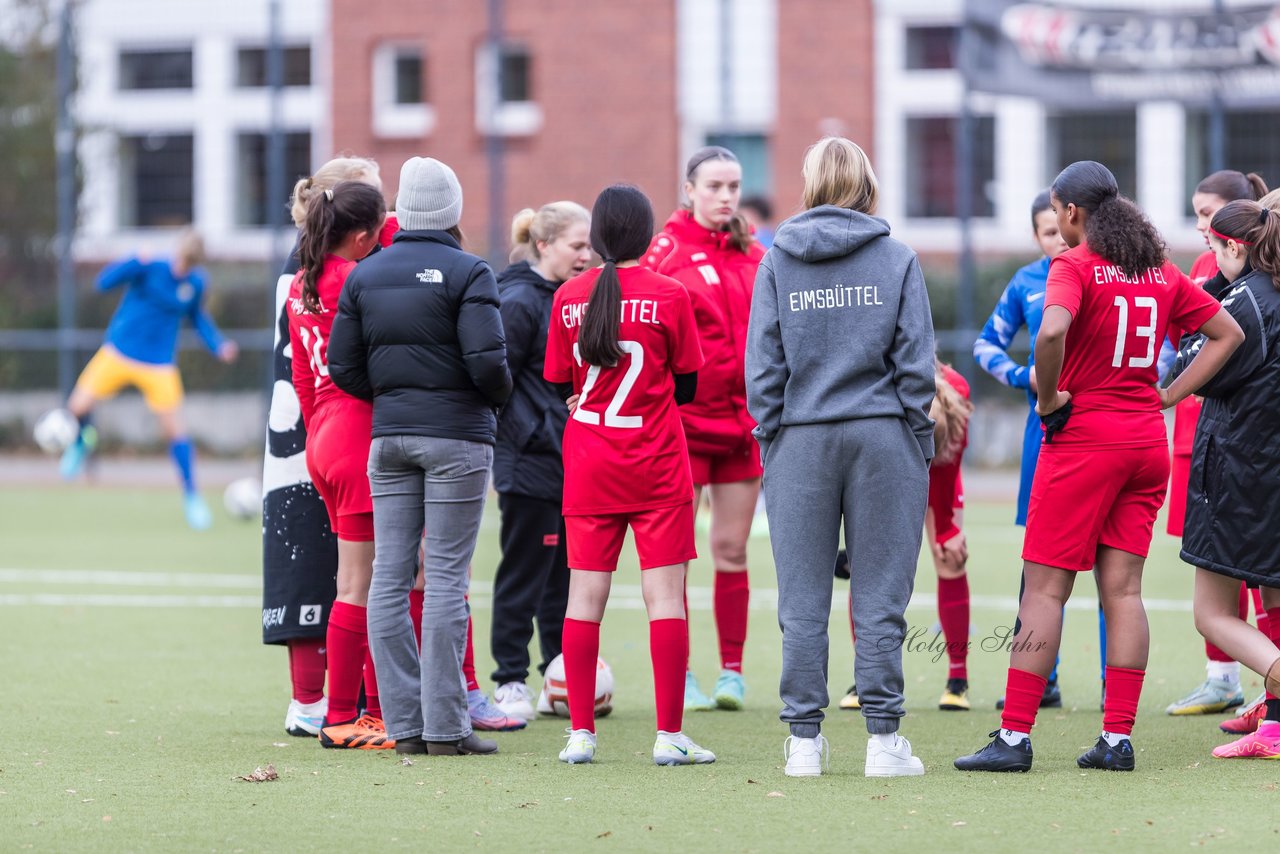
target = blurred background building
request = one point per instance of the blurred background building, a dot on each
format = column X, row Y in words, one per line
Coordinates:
column 532, row 102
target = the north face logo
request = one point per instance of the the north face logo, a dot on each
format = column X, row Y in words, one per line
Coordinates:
column 431, row 277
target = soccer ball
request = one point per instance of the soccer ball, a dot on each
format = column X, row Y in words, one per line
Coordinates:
column 243, row 498
column 55, row 430
column 557, row 689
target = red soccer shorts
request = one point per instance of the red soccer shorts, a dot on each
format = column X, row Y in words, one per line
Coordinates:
column 664, row 537
column 338, row 459
column 726, row 468
column 1085, row 498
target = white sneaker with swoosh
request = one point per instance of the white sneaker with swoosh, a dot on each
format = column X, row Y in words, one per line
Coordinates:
column 676, row 748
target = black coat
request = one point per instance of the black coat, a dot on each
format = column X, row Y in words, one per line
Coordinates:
column 527, row 459
column 418, row 332
column 1233, row 517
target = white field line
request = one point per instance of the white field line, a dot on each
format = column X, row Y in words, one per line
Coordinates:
column 626, row 597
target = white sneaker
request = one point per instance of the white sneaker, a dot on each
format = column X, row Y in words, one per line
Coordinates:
column 544, row 705
column 514, row 699
column 676, row 748
column 306, row 719
column 806, row 757
column 581, row 748
column 895, row 761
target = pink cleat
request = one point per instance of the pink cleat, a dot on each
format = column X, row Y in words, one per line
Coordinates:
column 1263, row 744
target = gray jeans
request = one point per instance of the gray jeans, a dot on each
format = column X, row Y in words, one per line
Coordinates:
column 868, row 473
column 423, row 482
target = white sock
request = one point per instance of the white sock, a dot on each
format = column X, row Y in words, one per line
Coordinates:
column 887, row 740
column 1114, row 738
column 1012, row 738
column 1224, row 671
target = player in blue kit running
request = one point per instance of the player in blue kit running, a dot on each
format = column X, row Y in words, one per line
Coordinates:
column 140, row 351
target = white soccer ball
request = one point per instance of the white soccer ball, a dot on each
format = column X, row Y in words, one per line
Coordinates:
column 55, row 430
column 557, row 688
column 243, row 498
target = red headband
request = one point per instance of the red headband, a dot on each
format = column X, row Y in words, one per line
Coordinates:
column 1224, row 238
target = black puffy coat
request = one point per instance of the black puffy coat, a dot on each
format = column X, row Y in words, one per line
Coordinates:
column 1233, row 517
column 527, row 459
column 418, row 332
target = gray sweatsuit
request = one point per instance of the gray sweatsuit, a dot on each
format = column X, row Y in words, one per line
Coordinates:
column 839, row 373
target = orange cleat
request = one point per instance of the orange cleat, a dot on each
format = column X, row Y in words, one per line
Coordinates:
column 1247, row 721
column 1263, row 744
column 364, row 733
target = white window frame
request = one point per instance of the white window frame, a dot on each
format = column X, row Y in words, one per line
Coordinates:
column 495, row 117
column 392, row 120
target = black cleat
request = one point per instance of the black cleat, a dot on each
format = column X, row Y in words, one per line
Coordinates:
column 1052, row 697
column 1000, row 704
column 998, row 756
column 1107, row 758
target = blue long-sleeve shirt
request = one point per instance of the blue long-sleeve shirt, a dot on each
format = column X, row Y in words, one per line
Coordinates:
column 146, row 323
column 1021, row 304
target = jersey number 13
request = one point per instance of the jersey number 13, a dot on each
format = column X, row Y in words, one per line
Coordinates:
column 1148, row 332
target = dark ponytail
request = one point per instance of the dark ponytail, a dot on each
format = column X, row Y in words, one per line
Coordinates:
column 1115, row 227
column 738, row 227
column 1230, row 185
column 351, row 206
column 621, row 228
column 1250, row 224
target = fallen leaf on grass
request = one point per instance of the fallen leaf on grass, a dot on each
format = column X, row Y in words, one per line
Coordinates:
column 106, row 818
column 406, row 761
column 603, row 835
column 750, row 781
column 278, row 744
column 775, row 795
column 261, row 775
column 959, row 824
column 528, row 804
column 879, row 797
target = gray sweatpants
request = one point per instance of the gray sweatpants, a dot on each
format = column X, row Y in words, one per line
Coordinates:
column 870, row 472
column 439, row 484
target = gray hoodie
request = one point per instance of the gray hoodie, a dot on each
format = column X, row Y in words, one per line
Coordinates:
column 840, row 327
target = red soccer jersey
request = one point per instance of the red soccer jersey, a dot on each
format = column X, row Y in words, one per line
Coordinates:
column 1187, row 413
column 309, row 339
column 1111, row 348
column 946, row 488
column 624, row 447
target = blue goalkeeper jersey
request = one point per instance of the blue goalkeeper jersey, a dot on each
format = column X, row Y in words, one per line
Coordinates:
column 146, row 323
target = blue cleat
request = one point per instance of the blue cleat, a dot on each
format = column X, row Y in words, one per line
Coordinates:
column 198, row 515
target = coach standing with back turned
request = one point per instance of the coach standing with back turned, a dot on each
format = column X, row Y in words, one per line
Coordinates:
column 840, row 378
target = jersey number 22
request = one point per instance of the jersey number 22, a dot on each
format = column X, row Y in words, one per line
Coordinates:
column 611, row 416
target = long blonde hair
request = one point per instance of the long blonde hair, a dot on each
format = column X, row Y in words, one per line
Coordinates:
column 838, row 172
column 545, row 225
column 326, row 178
column 950, row 413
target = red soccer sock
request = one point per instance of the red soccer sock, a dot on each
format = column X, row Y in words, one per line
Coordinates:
column 1120, row 702
column 1212, row 652
column 469, row 661
column 731, row 598
column 1022, row 693
column 371, row 704
column 347, row 645
column 306, row 669
column 1273, row 631
column 953, row 613
column 668, row 649
column 581, row 644
column 415, row 614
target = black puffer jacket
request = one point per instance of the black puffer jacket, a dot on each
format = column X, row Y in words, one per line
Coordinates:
column 1233, row 518
column 418, row 332
column 527, row 459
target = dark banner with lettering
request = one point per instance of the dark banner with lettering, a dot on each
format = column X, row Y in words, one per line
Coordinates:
column 1068, row 55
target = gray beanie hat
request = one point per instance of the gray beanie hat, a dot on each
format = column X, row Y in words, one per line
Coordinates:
column 429, row 197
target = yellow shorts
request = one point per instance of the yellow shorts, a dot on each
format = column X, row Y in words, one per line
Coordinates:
column 108, row 372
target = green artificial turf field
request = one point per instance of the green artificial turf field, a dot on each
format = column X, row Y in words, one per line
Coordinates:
column 137, row 691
